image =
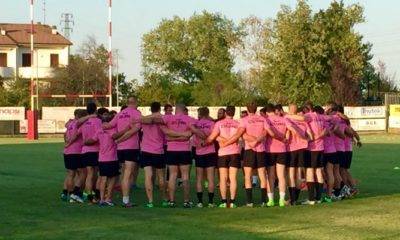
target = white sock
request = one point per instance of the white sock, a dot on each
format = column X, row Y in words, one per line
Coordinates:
column 282, row 195
column 270, row 196
column 255, row 179
column 125, row 200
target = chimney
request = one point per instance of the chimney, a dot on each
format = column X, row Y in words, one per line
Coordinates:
column 54, row 30
column 2, row 32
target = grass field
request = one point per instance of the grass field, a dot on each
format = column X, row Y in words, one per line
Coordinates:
column 31, row 177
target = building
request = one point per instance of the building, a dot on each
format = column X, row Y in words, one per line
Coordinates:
column 51, row 50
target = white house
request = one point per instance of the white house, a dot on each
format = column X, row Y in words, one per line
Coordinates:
column 51, row 50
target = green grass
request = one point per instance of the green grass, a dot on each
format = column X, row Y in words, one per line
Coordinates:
column 31, row 177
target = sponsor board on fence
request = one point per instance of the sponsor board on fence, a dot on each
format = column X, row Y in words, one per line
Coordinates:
column 44, row 126
column 60, row 115
column 394, row 110
column 365, row 112
column 362, row 118
column 12, row 113
column 394, row 122
column 368, row 124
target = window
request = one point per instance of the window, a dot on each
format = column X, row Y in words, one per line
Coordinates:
column 3, row 59
column 54, row 60
column 26, row 60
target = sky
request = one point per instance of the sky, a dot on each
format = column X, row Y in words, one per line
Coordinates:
column 133, row 18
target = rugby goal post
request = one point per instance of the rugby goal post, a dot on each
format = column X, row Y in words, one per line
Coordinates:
column 32, row 114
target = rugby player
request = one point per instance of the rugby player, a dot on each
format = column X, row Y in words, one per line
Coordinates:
column 277, row 156
column 298, row 136
column 228, row 156
column 128, row 148
column 205, row 157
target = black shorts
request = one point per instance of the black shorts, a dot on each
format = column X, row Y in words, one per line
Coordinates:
column 73, row 161
column 254, row 159
column 91, row 159
column 274, row 158
column 242, row 154
column 228, row 161
column 330, row 158
column 341, row 158
column 177, row 158
column 131, row 155
column 313, row 159
column 153, row 160
column 109, row 169
column 348, row 157
column 206, row 160
column 296, row 158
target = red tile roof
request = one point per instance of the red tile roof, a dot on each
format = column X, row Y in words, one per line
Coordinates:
column 19, row 34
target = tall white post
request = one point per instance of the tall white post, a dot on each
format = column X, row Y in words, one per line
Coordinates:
column 32, row 58
column 109, row 53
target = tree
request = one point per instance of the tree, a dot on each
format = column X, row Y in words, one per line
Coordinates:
column 385, row 83
column 312, row 56
column 343, row 50
column 181, row 53
column 87, row 73
column 126, row 88
column 15, row 92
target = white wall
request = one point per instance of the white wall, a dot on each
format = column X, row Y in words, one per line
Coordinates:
column 41, row 60
column 9, row 71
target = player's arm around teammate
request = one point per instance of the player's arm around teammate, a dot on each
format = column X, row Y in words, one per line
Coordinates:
column 205, row 157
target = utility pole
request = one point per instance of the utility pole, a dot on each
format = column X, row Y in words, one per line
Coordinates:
column 44, row 11
column 67, row 20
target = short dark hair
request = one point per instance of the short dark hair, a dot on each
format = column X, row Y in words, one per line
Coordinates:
column 76, row 112
column 203, row 112
column 155, row 107
column 252, row 107
column 230, row 111
column 278, row 107
column 332, row 105
column 166, row 106
column 102, row 110
column 113, row 112
column 318, row 109
column 263, row 110
column 308, row 104
column 270, row 108
column 91, row 107
column 80, row 113
column 340, row 108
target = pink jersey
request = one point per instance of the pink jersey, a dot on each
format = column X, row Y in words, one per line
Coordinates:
column 76, row 146
column 88, row 130
column 227, row 128
column 153, row 139
column 254, row 126
column 295, row 141
column 178, row 123
column 107, row 146
column 329, row 140
column 317, row 125
column 339, row 143
column 206, row 126
column 121, row 121
column 278, row 125
column 348, row 144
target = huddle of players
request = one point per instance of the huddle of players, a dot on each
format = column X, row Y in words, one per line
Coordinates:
column 281, row 148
